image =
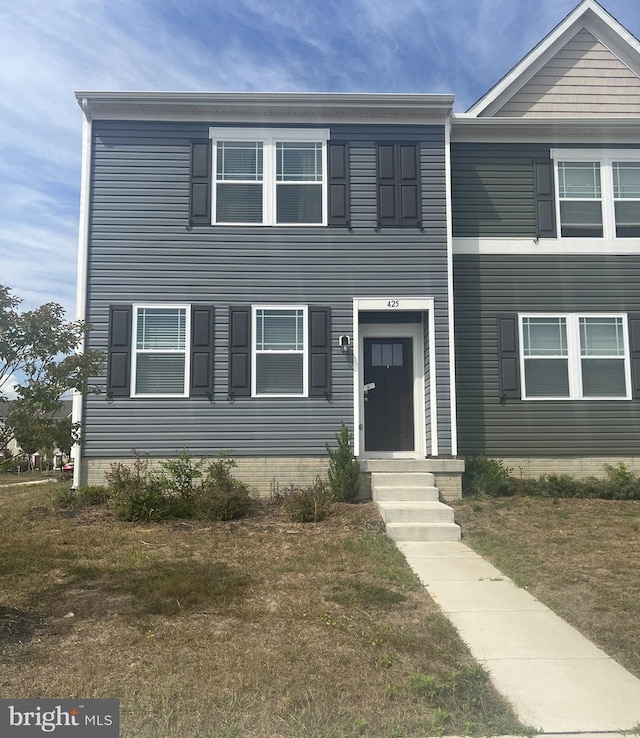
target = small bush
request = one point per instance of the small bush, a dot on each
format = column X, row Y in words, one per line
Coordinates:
column 344, row 469
column 221, row 496
column 181, row 474
column 89, row 496
column 137, row 495
column 304, row 504
column 490, row 477
column 484, row 476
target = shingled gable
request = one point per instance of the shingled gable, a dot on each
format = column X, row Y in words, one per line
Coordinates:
column 587, row 67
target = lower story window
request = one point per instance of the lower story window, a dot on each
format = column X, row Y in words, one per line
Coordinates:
column 279, row 354
column 160, row 356
column 573, row 356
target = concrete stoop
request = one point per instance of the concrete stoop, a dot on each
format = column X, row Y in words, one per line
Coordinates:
column 410, row 507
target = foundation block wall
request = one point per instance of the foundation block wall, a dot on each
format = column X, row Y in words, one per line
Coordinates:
column 576, row 466
column 260, row 473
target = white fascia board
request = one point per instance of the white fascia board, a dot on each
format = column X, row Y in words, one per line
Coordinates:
column 589, row 15
column 292, row 106
column 548, row 130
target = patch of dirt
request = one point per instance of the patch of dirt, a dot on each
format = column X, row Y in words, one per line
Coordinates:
column 18, row 626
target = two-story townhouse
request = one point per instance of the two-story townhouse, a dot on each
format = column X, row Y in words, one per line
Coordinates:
column 260, row 268
column 546, row 238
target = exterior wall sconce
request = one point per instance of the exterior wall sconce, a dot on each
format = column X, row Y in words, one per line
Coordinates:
column 345, row 344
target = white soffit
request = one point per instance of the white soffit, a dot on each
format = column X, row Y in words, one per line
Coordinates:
column 588, row 15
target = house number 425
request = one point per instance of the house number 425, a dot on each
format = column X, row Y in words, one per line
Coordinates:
column 393, row 303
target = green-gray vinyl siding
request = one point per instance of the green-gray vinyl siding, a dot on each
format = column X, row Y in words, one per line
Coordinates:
column 141, row 252
column 485, row 286
column 493, row 187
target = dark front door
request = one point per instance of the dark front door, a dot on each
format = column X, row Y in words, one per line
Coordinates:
column 388, row 396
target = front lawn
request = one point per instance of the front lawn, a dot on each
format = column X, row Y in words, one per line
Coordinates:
column 580, row 557
column 258, row 627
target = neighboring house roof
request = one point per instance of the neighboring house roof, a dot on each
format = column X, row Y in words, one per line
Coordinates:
column 64, row 412
column 569, row 74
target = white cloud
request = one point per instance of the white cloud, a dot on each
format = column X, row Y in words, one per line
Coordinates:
column 7, row 391
column 49, row 49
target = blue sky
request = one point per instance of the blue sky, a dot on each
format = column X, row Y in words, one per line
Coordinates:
column 49, row 48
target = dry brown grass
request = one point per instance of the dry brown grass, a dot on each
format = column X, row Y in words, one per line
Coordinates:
column 250, row 628
column 579, row 557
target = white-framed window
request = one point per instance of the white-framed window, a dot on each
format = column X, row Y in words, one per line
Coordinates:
column 269, row 176
column 279, row 355
column 598, row 193
column 574, row 356
column 160, row 356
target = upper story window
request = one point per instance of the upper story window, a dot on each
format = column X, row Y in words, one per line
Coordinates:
column 269, row 177
column 598, row 193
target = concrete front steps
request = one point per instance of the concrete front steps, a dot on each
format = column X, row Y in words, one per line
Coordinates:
column 410, row 507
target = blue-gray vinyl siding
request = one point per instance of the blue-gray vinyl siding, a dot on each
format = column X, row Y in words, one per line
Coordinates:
column 140, row 251
column 486, row 286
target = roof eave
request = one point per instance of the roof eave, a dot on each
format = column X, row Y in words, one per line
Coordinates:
column 227, row 105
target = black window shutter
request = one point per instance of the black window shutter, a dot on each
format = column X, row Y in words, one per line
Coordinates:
column 634, row 348
column 509, row 359
column 202, row 343
column 119, row 358
column 319, row 351
column 409, row 184
column 240, row 351
column 200, row 186
column 387, row 184
column 398, row 185
column 545, row 199
column 339, row 206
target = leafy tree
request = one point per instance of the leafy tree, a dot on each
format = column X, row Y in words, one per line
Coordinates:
column 39, row 362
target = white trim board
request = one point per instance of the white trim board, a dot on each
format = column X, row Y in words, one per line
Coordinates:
column 395, row 304
column 450, row 304
column 561, row 246
column 81, row 284
column 400, row 330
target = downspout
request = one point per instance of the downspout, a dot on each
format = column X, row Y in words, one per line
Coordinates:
column 452, row 347
column 81, row 285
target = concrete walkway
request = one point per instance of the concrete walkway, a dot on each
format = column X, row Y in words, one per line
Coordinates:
column 556, row 680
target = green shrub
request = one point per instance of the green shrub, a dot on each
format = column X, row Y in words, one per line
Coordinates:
column 223, row 504
column 491, row 477
column 304, row 504
column 181, row 474
column 137, row 495
column 89, row 496
column 560, row 485
column 484, row 476
column 221, row 496
column 344, row 469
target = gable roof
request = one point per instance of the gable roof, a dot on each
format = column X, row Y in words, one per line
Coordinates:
column 546, row 82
